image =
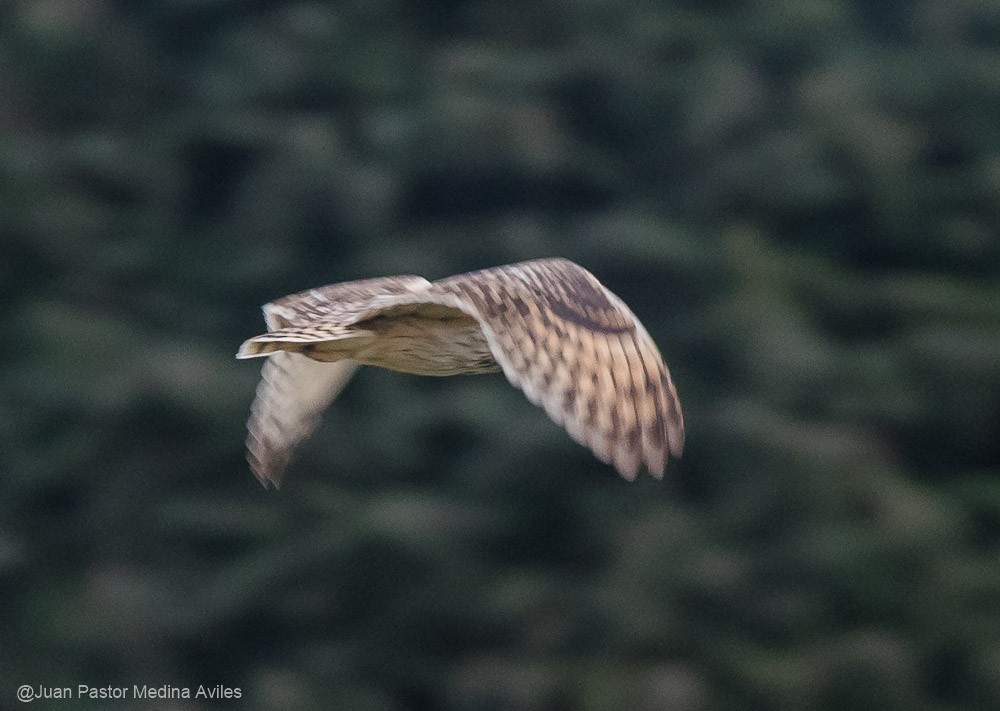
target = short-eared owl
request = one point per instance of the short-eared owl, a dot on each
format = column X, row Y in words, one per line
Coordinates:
column 571, row 345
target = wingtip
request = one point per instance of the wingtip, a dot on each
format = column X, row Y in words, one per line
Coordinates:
column 627, row 468
column 675, row 441
column 267, row 478
column 266, row 481
column 628, row 475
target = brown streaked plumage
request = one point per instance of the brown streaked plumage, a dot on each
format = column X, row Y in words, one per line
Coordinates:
column 572, row 346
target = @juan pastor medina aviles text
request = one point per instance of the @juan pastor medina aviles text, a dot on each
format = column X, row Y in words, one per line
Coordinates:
column 221, row 692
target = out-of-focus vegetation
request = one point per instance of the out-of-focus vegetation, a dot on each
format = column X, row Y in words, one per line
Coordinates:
column 800, row 199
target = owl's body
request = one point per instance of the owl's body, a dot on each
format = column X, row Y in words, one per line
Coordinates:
column 419, row 345
column 427, row 345
column 549, row 325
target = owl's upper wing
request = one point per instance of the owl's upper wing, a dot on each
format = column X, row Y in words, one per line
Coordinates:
column 339, row 303
column 576, row 350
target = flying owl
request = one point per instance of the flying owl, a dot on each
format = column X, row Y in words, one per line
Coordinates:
column 572, row 346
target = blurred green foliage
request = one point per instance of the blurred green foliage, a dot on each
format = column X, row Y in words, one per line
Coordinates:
column 800, row 199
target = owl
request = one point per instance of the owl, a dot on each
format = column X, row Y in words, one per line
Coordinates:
column 573, row 347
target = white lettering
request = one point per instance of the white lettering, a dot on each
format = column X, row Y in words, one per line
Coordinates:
column 52, row 692
column 101, row 692
column 218, row 692
column 161, row 692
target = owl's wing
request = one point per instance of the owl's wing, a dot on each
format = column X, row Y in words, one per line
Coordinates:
column 337, row 303
column 294, row 389
column 292, row 394
column 576, row 350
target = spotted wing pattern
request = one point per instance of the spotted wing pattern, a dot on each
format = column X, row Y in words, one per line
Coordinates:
column 337, row 304
column 576, row 350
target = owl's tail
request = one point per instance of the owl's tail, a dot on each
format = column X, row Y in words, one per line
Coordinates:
column 322, row 342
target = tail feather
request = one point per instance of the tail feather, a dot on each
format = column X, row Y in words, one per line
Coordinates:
column 318, row 341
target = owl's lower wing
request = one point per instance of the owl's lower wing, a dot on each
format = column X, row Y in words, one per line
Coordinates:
column 292, row 394
column 576, row 350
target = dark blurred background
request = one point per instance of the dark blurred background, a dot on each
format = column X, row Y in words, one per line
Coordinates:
column 800, row 199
